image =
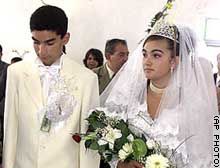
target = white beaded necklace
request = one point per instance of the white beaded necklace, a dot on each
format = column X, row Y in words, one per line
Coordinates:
column 156, row 89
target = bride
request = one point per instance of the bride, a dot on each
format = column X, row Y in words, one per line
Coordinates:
column 166, row 91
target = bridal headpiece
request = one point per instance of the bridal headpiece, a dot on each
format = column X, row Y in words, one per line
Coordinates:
column 164, row 29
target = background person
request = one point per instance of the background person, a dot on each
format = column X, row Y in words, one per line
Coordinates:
column 116, row 54
column 93, row 58
column 16, row 59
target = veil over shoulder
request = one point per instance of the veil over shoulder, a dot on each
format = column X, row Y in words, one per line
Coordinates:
column 188, row 103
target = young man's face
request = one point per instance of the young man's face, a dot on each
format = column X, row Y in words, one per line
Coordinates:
column 48, row 45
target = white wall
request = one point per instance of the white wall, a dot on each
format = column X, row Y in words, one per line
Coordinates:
column 92, row 22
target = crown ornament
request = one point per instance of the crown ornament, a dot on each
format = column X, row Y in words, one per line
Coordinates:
column 164, row 29
column 160, row 16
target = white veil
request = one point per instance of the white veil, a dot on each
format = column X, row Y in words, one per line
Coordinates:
column 190, row 95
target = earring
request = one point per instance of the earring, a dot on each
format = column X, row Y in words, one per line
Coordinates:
column 171, row 70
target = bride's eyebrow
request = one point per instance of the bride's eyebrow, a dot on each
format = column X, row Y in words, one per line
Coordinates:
column 157, row 50
column 154, row 50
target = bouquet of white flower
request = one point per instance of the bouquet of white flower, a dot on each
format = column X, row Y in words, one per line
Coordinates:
column 113, row 140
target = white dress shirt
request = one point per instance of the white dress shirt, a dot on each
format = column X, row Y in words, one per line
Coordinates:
column 48, row 76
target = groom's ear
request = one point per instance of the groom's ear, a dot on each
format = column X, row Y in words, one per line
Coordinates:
column 66, row 38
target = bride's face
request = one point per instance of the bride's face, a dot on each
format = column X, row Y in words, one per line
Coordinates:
column 157, row 61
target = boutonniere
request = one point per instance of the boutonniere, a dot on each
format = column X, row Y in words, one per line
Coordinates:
column 60, row 104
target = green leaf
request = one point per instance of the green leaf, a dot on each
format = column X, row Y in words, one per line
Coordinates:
column 102, row 148
column 88, row 143
column 123, row 127
column 91, row 135
column 98, row 124
column 94, row 145
column 108, row 157
column 96, row 120
column 120, row 142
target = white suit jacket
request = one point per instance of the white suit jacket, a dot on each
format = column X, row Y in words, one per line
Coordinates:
column 22, row 146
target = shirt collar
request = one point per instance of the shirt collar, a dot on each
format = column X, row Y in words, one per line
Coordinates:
column 58, row 63
column 110, row 72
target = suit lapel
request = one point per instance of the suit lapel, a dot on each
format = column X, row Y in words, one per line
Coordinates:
column 69, row 75
column 104, row 74
column 67, row 69
column 104, row 79
column 33, row 84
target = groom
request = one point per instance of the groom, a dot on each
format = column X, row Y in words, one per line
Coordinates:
column 47, row 100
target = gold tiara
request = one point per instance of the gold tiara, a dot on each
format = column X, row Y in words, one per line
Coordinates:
column 164, row 29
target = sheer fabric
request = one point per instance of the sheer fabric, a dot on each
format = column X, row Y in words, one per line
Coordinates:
column 186, row 109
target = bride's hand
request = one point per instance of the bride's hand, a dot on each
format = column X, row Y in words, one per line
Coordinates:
column 130, row 164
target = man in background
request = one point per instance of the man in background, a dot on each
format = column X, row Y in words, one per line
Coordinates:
column 3, row 76
column 217, row 75
column 15, row 59
column 116, row 54
column 217, row 81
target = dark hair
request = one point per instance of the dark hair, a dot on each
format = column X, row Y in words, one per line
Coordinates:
column 16, row 59
column 0, row 49
column 172, row 45
column 97, row 54
column 49, row 18
column 111, row 44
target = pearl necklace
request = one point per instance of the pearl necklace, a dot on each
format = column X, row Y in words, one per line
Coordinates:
column 156, row 89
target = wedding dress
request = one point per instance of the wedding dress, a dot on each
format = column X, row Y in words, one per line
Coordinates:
column 184, row 118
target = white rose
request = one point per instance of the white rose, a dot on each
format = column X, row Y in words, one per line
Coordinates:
column 130, row 137
column 125, row 151
column 150, row 143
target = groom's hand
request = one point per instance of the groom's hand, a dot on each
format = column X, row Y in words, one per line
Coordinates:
column 130, row 164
